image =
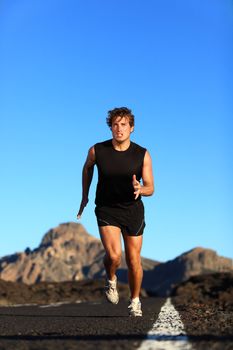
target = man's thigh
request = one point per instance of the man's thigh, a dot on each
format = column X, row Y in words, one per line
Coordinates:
column 133, row 245
column 111, row 239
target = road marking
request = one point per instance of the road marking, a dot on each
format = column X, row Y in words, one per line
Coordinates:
column 59, row 304
column 167, row 332
column 18, row 305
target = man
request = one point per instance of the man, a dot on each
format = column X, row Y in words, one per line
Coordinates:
column 119, row 209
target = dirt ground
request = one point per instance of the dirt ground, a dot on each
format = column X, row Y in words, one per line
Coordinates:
column 205, row 304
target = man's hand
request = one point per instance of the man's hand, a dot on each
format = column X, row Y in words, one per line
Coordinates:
column 137, row 187
column 82, row 206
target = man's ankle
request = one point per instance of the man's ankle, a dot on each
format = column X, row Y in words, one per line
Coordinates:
column 135, row 300
column 112, row 279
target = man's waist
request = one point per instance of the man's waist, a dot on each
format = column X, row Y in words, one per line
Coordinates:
column 122, row 204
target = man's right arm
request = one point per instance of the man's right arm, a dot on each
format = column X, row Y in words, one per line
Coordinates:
column 87, row 175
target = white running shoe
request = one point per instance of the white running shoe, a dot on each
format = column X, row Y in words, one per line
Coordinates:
column 111, row 291
column 135, row 308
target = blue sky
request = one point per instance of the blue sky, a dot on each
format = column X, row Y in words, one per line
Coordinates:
column 64, row 64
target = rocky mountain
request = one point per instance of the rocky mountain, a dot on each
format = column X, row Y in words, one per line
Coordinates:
column 68, row 253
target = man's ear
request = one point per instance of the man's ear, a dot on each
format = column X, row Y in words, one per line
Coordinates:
column 132, row 129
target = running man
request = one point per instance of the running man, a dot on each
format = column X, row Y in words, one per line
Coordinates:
column 119, row 209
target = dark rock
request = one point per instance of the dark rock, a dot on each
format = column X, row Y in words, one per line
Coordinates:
column 12, row 293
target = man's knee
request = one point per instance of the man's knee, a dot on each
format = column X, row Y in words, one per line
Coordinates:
column 114, row 258
column 134, row 262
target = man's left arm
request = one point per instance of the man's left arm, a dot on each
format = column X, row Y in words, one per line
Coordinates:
column 147, row 187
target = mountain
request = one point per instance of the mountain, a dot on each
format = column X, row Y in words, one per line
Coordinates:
column 68, row 253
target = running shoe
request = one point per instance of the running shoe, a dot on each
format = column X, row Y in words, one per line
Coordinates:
column 111, row 291
column 135, row 308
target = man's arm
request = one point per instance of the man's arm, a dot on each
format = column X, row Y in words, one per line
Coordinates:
column 147, row 189
column 87, row 175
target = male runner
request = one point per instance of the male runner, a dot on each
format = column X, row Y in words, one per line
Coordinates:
column 119, row 209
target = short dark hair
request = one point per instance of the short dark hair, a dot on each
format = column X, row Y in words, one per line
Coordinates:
column 120, row 112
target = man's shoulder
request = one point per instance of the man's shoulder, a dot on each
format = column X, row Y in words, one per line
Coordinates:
column 103, row 142
column 138, row 147
column 102, row 145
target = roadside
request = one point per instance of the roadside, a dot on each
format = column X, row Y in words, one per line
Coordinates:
column 12, row 293
column 205, row 304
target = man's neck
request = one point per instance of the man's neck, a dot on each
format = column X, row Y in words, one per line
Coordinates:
column 121, row 146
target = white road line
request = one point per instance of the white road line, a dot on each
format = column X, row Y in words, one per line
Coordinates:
column 59, row 304
column 18, row 305
column 167, row 332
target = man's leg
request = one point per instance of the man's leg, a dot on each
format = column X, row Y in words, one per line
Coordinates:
column 133, row 245
column 111, row 239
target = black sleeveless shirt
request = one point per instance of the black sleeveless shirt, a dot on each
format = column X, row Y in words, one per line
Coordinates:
column 115, row 173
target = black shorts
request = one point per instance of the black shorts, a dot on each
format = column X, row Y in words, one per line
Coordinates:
column 130, row 219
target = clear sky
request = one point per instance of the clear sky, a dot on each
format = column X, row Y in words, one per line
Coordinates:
column 64, row 64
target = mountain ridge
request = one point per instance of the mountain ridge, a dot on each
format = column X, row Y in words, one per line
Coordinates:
column 68, row 252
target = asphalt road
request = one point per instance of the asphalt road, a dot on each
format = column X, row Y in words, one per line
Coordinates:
column 89, row 325
column 93, row 325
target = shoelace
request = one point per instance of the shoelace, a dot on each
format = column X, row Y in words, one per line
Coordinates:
column 111, row 286
column 134, row 305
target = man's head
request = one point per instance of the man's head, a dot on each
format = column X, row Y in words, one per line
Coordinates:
column 122, row 112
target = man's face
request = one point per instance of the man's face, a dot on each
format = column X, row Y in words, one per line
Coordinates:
column 121, row 129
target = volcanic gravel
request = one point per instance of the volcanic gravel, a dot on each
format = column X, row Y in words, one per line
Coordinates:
column 205, row 304
column 12, row 293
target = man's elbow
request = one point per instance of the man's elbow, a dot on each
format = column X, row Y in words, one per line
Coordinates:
column 152, row 191
column 147, row 190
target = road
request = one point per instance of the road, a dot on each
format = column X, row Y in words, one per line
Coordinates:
column 93, row 325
